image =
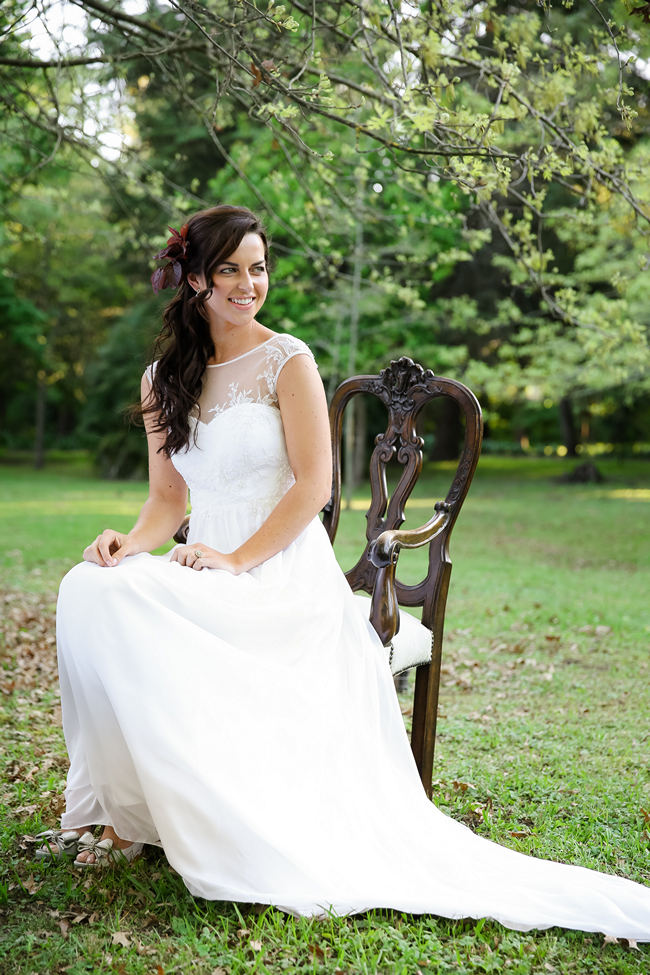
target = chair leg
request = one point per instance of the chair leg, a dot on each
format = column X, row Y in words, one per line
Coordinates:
column 425, row 714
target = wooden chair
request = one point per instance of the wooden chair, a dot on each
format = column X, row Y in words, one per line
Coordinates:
column 404, row 388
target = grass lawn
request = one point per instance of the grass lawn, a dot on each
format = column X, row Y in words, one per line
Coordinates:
column 544, row 735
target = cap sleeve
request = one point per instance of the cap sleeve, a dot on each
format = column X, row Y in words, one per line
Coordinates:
column 149, row 372
column 279, row 352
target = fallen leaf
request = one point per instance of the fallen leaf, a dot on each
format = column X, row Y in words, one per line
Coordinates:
column 31, row 885
column 646, row 815
column 120, row 938
column 316, row 950
column 256, row 945
column 28, row 810
column 65, row 927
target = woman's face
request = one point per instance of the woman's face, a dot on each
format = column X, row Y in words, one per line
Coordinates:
column 239, row 284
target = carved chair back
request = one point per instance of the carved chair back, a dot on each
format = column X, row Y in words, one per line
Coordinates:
column 404, row 388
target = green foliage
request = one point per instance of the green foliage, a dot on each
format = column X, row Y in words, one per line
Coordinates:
column 506, row 243
column 113, row 384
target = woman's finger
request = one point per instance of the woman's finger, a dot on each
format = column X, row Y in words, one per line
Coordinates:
column 92, row 553
column 106, row 539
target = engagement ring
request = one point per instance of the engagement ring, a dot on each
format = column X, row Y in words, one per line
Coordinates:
column 197, row 553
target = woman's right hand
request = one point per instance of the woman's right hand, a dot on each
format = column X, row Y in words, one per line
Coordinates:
column 110, row 548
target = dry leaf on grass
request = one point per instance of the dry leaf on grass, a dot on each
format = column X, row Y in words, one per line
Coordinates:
column 31, row 885
column 121, row 938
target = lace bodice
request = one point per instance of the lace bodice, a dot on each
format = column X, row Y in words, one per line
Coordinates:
column 237, row 467
column 249, row 378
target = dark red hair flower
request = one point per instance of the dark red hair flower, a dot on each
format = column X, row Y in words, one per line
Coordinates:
column 171, row 274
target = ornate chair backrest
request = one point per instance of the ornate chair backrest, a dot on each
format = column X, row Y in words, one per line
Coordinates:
column 404, row 388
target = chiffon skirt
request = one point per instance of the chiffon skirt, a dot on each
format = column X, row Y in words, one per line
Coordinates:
column 249, row 725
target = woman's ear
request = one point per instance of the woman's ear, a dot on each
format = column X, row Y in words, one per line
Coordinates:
column 195, row 282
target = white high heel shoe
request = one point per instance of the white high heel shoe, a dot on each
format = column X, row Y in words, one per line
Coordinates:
column 105, row 852
column 58, row 843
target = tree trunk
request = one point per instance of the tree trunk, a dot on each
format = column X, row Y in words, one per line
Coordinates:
column 39, row 431
column 568, row 426
column 448, row 431
column 360, row 433
column 351, row 463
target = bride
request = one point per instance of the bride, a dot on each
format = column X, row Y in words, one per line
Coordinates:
column 229, row 701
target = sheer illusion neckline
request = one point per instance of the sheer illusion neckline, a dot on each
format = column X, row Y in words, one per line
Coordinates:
column 215, row 365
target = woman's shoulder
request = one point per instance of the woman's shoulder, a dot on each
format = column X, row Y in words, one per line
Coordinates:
column 282, row 346
column 150, row 371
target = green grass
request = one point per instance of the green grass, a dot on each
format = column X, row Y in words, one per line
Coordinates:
column 543, row 734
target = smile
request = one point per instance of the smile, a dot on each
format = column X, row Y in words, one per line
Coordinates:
column 242, row 301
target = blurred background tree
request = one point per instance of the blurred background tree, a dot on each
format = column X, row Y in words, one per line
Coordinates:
column 461, row 182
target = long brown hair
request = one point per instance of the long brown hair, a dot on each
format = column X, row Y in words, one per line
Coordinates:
column 184, row 345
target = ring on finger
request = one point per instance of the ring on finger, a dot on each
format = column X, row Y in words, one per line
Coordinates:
column 198, row 553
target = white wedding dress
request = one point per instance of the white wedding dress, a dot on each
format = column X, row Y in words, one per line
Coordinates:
column 249, row 725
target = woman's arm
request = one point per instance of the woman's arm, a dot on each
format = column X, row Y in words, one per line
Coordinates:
column 162, row 512
column 306, row 429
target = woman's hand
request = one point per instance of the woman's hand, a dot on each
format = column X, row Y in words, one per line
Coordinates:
column 200, row 556
column 110, row 548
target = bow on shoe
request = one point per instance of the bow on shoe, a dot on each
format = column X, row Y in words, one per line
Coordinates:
column 104, row 852
column 65, row 841
column 102, row 849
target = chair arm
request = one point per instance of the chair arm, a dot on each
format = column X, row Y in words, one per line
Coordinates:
column 385, row 548
column 180, row 535
column 383, row 553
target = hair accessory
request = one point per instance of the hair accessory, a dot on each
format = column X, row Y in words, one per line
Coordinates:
column 170, row 275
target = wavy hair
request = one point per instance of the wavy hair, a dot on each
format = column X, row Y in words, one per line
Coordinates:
column 184, row 345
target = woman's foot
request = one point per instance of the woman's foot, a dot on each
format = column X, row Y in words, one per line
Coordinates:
column 90, row 858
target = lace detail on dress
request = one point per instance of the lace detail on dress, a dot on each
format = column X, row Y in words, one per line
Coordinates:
column 251, row 377
column 237, row 397
column 239, row 457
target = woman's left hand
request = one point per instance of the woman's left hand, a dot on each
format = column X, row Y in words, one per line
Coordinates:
column 199, row 556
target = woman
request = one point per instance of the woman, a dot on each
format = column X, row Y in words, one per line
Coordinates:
column 229, row 701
